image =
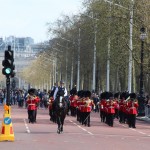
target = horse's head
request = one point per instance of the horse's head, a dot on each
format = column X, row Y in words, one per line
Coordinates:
column 60, row 101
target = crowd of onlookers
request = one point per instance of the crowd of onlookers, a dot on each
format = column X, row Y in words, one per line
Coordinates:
column 147, row 106
column 18, row 97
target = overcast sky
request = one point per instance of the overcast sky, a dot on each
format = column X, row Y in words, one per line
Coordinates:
column 28, row 18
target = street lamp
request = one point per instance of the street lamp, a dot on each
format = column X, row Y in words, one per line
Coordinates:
column 141, row 93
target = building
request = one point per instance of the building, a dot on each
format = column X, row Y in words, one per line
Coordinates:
column 24, row 52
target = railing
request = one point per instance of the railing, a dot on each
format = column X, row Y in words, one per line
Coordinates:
column 147, row 111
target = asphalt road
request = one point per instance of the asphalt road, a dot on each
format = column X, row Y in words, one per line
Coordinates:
column 43, row 134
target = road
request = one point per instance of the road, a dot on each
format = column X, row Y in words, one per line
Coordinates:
column 43, row 134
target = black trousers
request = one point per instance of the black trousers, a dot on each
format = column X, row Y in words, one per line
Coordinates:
column 32, row 116
column 102, row 116
column 131, row 120
column 110, row 119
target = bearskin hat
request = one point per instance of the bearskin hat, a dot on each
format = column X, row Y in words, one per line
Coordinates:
column 127, row 95
column 132, row 95
column 80, row 93
column 116, row 95
column 124, row 95
column 111, row 95
column 74, row 90
column 87, row 94
column 107, row 95
column 32, row 91
column 84, row 93
column 103, row 95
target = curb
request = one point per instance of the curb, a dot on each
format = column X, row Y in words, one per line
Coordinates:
column 143, row 119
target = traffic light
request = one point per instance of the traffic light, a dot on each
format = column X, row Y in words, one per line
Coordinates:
column 9, row 67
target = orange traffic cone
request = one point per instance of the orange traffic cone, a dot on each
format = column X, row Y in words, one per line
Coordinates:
column 7, row 133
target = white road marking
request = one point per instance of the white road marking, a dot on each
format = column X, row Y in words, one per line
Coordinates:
column 141, row 132
column 81, row 128
column 132, row 129
column 27, row 128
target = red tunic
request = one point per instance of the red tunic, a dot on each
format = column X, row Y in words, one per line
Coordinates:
column 102, row 105
column 132, row 107
column 51, row 100
column 121, row 105
column 116, row 104
column 32, row 102
column 110, row 107
column 73, row 100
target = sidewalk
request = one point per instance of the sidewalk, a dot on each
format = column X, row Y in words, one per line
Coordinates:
column 144, row 118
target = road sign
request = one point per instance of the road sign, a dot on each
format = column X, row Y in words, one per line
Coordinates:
column 7, row 120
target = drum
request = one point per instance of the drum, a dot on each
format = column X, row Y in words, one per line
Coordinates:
column 87, row 109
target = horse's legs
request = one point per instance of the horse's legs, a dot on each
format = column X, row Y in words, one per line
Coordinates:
column 59, row 124
column 62, row 123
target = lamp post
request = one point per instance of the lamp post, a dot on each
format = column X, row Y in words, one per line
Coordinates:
column 141, row 93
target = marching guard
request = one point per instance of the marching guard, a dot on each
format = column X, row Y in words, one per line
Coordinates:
column 116, row 103
column 32, row 103
column 88, row 105
column 110, row 107
column 132, row 110
column 102, row 106
column 79, row 105
column 51, row 113
column 73, row 101
column 123, row 107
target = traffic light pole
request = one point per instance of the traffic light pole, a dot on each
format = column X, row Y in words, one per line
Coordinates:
column 8, row 91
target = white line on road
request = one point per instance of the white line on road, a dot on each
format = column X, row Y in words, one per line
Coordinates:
column 133, row 129
column 27, row 128
column 141, row 132
column 81, row 128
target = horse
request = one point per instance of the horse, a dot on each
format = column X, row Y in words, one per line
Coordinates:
column 60, row 109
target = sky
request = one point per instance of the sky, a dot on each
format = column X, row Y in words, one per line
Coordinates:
column 28, row 18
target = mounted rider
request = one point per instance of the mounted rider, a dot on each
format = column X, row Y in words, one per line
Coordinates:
column 60, row 90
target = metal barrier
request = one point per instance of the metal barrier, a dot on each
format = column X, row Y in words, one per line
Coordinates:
column 147, row 111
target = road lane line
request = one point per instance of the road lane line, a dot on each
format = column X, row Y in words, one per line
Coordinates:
column 133, row 129
column 81, row 128
column 141, row 132
column 27, row 128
